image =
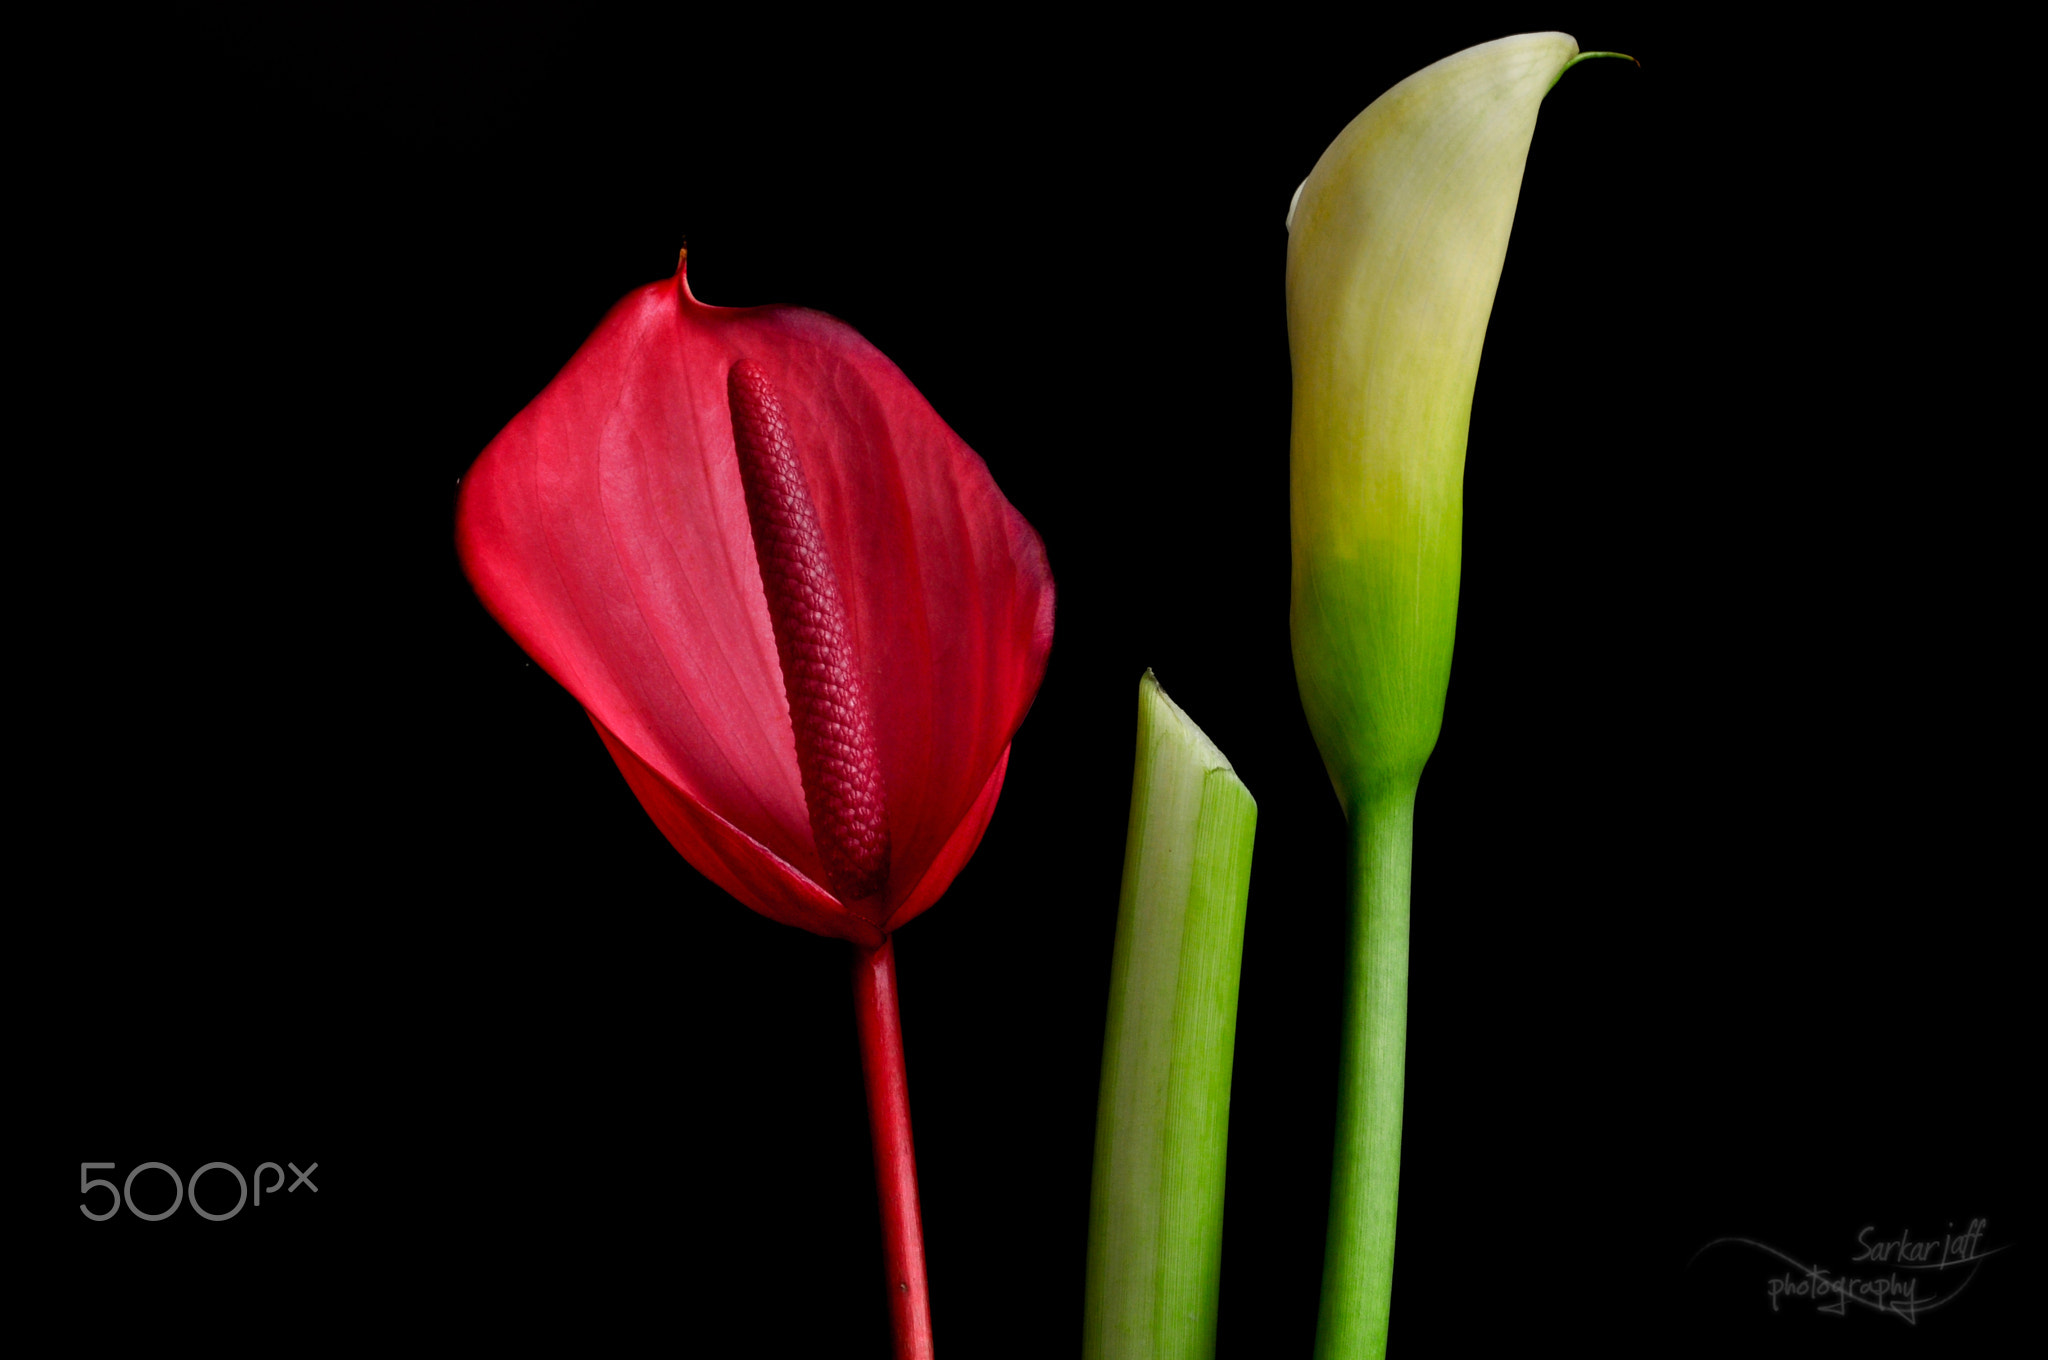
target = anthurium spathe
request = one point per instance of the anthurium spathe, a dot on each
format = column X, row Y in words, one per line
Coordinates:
column 802, row 618
column 608, row 529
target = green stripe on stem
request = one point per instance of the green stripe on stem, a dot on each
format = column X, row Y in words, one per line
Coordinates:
column 1365, row 1178
column 1155, row 1229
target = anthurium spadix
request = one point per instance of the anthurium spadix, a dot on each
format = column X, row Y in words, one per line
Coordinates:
column 799, row 613
column 1395, row 246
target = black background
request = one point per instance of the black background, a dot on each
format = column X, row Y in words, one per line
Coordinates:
column 1717, row 897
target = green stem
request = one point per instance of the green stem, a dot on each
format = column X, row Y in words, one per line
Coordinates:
column 1358, row 1261
column 1155, row 1219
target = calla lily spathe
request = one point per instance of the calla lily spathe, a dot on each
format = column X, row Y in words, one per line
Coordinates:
column 1395, row 246
column 607, row 529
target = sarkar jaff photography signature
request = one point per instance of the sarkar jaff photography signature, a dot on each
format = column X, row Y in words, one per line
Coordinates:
column 1916, row 1281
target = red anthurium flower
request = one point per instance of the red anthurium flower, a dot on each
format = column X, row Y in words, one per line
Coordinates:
column 799, row 612
column 802, row 618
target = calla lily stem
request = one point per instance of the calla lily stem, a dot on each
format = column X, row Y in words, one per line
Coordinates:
column 1358, row 1259
column 881, row 1060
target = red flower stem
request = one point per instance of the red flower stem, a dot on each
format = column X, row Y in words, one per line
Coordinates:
column 881, row 1059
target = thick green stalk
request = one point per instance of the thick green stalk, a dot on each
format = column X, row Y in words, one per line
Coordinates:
column 1155, row 1228
column 1365, row 1180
